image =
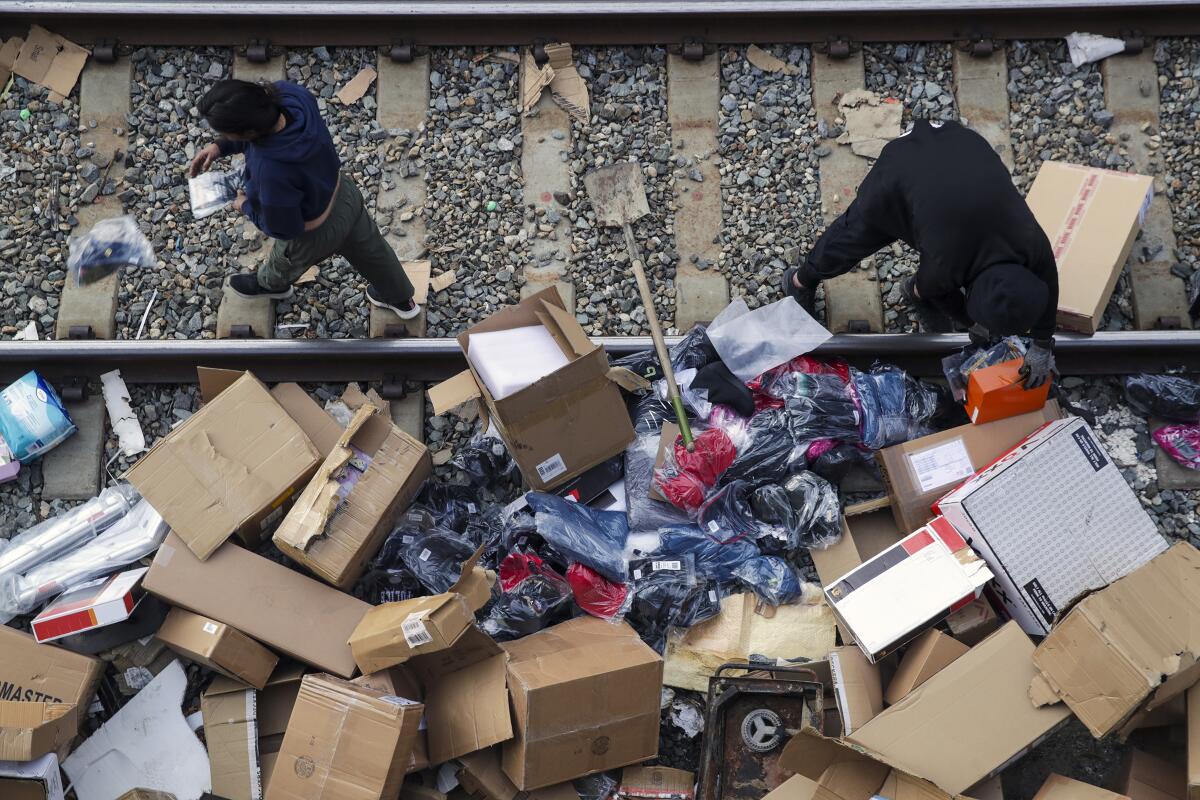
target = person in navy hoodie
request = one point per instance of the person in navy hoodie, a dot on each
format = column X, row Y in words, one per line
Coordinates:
column 296, row 192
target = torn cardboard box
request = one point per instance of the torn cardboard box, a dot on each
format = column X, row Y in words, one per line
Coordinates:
column 927, row 656
column 400, row 681
column 31, row 780
column 768, row 62
column 481, row 777
column 229, row 466
column 1089, row 528
column 230, row 713
column 1058, row 787
column 290, row 612
column 31, row 730
column 837, row 771
column 33, row 672
column 217, row 646
column 342, row 516
column 1127, row 646
column 920, row 471
column 1145, row 776
column 857, row 686
column 585, row 699
column 357, row 86
column 907, row 588
column 656, row 783
column 344, row 740
column 797, row 787
column 871, row 121
column 567, row 87
column 1092, row 217
column 49, row 60
column 565, row 423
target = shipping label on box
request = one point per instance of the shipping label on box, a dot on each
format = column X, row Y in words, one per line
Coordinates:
column 1053, row 518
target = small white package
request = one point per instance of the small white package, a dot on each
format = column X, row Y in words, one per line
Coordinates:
column 209, row 192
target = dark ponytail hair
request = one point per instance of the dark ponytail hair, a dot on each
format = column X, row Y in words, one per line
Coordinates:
column 241, row 107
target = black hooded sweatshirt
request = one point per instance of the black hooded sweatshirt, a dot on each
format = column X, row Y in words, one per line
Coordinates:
column 943, row 191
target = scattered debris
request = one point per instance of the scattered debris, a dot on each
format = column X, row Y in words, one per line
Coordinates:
column 120, row 414
column 767, row 62
column 1088, row 48
column 871, row 121
column 353, row 91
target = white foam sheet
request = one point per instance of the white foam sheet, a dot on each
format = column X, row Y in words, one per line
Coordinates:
column 509, row 361
column 147, row 744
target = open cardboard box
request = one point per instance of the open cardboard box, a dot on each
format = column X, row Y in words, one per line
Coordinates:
column 564, row 423
column 31, row 730
column 33, row 672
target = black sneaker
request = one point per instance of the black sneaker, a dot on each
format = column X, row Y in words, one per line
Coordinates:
column 928, row 318
column 406, row 310
column 246, row 285
column 806, row 297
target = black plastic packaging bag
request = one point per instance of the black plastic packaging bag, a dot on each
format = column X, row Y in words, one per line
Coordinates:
column 1174, row 398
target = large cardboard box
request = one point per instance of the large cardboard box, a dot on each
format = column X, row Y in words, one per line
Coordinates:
column 33, row 672
column 564, row 423
column 230, row 711
column 927, row 656
column 585, row 698
column 227, row 468
column 1145, row 776
column 656, row 783
column 919, row 471
column 400, row 681
column 31, row 730
column 1053, row 518
column 344, row 741
column 907, row 588
column 273, row 708
column 31, row 780
column 967, row 721
column 1091, row 217
column 292, row 613
column 834, row 770
column 482, row 777
column 1126, row 648
column 1058, row 787
column 342, row 516
column 218, row 647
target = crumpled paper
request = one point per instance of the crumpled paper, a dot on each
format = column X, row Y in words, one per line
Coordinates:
column 1087, row 48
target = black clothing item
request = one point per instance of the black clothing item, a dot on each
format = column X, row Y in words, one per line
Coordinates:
column 943, row 191
column 1007, row 299
column 724, row 388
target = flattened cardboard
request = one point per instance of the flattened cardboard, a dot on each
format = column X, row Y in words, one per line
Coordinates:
column 585, row 696
column 231, row 733
column 796, row 787
column 29, row 731
column 354, row 90
column 998, row 392
column 229, row 466
column 1126, row 644
column 400, row 681
column 926, row 657
column 344, row 741
column 920, row 471
column 31, row 780
column 1058, row 787
column 1145, row 776
column 840, row 771
column 656, row 783
column 35, row 672
column 1092, row 217
column 969, row 720
column 285, row 610
column 49, row 60
column 857, row 685
column 218, row 647
column 1193, row 743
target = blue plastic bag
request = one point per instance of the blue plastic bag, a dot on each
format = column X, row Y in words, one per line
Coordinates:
column 774, row 580
column 581, row 534
column 713, row 559
column 33, row 419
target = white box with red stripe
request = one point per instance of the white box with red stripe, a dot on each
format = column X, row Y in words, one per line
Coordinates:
column 906, row 589
column 104, row 601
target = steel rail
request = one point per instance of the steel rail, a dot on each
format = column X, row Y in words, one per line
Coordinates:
column 425, row 360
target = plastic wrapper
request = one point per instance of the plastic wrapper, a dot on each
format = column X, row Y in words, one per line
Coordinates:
column 33, row 420
column 212, row 191
column 806, row 506
column 596, row 787
column 649, row 412
column 958, row 367
column 582, row 534
column 516, row 567
column 895, row 406
column 596, row 594
column 712, row 558
column 695, row 401
column 436, row 559
column 110, row 245
column 727, row 516
column 541, row 599
column 819, row 406
column 61, row 534
column 769, row 453
column 138, row 534
column 834, row 463
column 486, row 462
column 691, row 352
column 773, row 579
column 666, row 596
column 752, row 342
column 687, row 475
column 1174, row 398
column 646, row 513
column 1181, row 442
column 802, row 364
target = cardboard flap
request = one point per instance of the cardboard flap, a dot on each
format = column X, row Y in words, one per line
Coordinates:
column 452, row 394
column 466, row 696
column 857, row 685
column 628, row 380
column 475, row 583
column 568, row 327
column 213, row 381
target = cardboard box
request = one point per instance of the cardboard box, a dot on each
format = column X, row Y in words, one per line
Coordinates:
column 564, row 423
column 841, row 772
column 969, row 720
column 991, row 789
column 1144, row 776
column 1091, row 217
column 797, row 787
column 920, row 471
column 656, row 783
column 31, row 730
column 1125, row 648
column 218, row 647
column 585, row 697
column 33, row 672
column 481, row 777
column 864, row 536
column 400, row 681
column 104, row 601
column 1058, row 787
column 231, row 733
column 292, row 613
column 1193, row 743
column 1053, row 518
column 228, row 467
column 926, row 657
column 274, row 706
column 343, row 515
column 143, row 623
column 49, row 60
column 907, row 588
column 857, row 686
column 31, row 780
column 346, row 741
column 975, row 621
column 998, row 392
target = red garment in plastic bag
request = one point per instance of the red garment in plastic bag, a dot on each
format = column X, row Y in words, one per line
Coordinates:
column 695, row 471
column 518, row 566
column 596, row 594
column 1182, row 443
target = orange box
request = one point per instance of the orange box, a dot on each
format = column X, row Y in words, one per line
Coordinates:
column 996, row 392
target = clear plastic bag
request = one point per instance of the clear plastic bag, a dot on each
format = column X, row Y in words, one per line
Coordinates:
column 712, row 558
column 958, row 367
column 686, row 475
column 596, row 594
column 138, row 534
column 646, row 513
column 806, row 506
column 436, row 559
column 582, row 534
column 834, row 460
column 895, row 406
column 773, row 579
column 691, row 352
column 752, row 342
column 542, row 598
column 33, row 420
column 818, row 405
column 770, row 452
column 212, row 191
column 727, row 516
column 1175, row 398
column 110, row 245
column 665, row 597
column 486, row 461
column 1182, row 443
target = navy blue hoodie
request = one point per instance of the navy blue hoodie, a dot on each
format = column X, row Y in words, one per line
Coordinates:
column 290, row 175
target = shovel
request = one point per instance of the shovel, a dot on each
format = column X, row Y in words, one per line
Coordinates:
column 618, row 196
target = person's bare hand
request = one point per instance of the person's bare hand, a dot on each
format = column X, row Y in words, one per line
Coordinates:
column 238, row 201
column 204, row 159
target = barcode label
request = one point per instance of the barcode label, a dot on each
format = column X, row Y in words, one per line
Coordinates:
column 637, row 574
column 415, row 632
column 472, row 508
column 398, row 701
column 210, row 627
column 674, row 566
column 713, row 527
column 406, row 539
column 552, row 467
column 424, row 554
column 712, row 595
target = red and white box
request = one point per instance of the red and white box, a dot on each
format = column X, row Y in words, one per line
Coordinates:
column 104, row 601
column 907, row 588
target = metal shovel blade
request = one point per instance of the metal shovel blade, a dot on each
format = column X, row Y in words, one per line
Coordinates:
column 618, row 193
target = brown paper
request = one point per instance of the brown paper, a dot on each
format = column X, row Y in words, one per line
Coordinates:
column 767, row 62
column 353, row 91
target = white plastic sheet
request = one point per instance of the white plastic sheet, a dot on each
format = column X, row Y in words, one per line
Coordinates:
column 511, row 360
column 752, row 342
column 1086, row 48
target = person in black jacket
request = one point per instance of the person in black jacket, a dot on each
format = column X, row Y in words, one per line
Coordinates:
column 985, row 261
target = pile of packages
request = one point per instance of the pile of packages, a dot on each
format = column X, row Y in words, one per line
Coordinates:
column 360, row 630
